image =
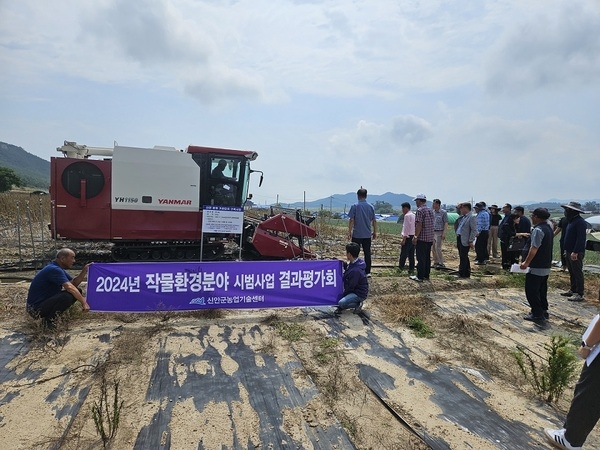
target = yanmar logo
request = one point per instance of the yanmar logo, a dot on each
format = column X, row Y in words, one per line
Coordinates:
column 171, row 201
column 126, row 200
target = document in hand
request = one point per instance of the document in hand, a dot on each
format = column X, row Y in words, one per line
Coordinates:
column 516, row 268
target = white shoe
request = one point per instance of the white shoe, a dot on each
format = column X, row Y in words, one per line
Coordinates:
column 557, row 438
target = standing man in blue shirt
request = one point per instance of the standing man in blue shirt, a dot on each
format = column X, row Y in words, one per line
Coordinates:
column 53, row 290
column 362, row 217
column 483, row 230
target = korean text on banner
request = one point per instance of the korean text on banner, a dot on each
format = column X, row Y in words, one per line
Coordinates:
column 147, row 287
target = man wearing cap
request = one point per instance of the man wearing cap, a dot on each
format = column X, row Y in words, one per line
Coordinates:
column 539, row 260
column 440, row 224
column 423, row 238
column 495, row 219
column 575, row 250
column 483, row 229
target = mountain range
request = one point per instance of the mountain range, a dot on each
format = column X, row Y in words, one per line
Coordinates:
column 32, row 170
column 35, row 172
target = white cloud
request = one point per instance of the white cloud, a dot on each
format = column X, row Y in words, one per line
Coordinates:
column 446, row 98
column 558, row 48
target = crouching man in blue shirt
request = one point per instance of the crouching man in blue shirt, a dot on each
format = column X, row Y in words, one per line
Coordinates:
column 53, row 290
column 356, row 284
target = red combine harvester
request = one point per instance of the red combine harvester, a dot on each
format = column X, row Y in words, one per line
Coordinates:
column 148, row 202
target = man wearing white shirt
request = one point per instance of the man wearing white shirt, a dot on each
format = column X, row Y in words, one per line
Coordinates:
column 407, row 248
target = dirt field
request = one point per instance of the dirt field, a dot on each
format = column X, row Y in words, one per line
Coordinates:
column 291, row 378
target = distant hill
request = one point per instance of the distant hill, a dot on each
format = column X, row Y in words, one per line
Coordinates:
column 341, row 202
column 33, row 170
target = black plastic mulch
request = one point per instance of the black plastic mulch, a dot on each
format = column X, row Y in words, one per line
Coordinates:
column 270, row 388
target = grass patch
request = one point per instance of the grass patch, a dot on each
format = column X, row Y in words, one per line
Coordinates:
column 328, row 350
column 463, row 324
column 399, row 307
column 510, row 280
column 291, row 332
column 420, row 328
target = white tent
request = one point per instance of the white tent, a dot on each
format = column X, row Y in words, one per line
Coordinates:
column 594, row 222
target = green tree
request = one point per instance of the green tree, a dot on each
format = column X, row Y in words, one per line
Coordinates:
column 591, row 206
column 8, row 179
column 382, row 207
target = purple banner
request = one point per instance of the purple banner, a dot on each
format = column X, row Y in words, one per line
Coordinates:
column 147, row 287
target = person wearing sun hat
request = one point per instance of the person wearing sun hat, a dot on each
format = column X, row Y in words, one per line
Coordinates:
column 574, row 248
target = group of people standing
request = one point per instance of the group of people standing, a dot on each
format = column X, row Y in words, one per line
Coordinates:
column 521, row 239
column 479, row 228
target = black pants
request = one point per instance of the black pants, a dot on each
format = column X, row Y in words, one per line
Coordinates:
column 576, row 273
column 51, row 308
column 481, row 251
column 365, row 244
column 508, row 258
column 423, row 251
column 585, row 406
column 563, row 256
column 464, row 265
column 407, row 251
column 536, row 291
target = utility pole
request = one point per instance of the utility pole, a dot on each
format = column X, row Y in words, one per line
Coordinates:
column 330, row 204
column 304, row 209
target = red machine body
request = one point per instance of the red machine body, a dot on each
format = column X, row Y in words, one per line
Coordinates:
column 148, row 202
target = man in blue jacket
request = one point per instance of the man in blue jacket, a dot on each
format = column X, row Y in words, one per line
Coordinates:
column 574, row 247
column 356, row 285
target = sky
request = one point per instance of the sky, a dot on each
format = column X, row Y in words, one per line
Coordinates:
column 496, row 101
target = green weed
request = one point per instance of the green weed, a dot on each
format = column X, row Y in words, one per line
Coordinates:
column 551, row 377
column 328, row 349
column 292, row 332
column 420, row 328
column 107, row 413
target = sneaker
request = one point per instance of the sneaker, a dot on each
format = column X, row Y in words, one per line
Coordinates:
column 368, row 275
column 416, row 278
column 569, row 293
column 533, row 318
column 557, row 438
column 338, row 311
column 358, row 309
column 480, row 263
column 576, row 298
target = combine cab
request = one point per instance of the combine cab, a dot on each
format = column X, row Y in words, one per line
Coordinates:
column 148, row 202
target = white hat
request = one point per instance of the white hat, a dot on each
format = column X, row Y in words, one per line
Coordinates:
column 420, row 197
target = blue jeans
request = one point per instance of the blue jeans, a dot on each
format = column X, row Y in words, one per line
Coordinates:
column 350, row 301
